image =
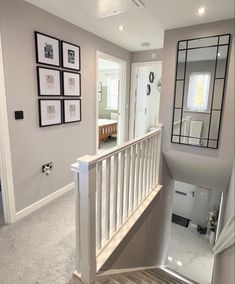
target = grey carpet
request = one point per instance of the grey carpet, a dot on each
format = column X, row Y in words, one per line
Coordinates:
column 1, row 210
column 41, row 247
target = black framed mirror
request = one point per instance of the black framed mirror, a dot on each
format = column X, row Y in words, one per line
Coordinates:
column 201, row 72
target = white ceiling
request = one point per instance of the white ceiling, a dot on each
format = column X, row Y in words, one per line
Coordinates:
column 142, row 24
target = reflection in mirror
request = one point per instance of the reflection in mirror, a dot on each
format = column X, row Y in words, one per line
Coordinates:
column 199, row 90
column 179, row 93
column 177, row 119
column 215, row 119
column 182, row 45
column 202, row 42
column 213, row 144
column 218, row 94
column 181, row 65
column 224, row 39
column 221, row 63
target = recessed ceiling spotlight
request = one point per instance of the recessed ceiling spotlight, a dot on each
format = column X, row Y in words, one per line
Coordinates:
column 145, row 44
column 179, row 263
column 121, row 28
column 201, row 11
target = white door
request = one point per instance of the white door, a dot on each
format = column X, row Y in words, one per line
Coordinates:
column 201, row 206
column 183, row 199
column 147, row 97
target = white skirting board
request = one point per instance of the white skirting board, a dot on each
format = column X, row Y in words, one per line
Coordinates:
column 35, row 206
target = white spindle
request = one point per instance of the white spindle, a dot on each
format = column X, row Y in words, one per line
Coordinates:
column 107, row 200
column 121, row 188
column 158, row 157
column 127, row 179
column 132, row 197
column 141, row 171
column 149, row 163
column 115, row 190
column 152, row 170
column 145, row 183
column 137, row 175
column 99, row 205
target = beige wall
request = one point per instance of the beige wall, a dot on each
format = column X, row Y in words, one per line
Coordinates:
column 147, row 55
column 31, row 146
column 204, row 167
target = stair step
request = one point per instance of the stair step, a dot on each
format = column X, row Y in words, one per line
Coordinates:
column 147, row 276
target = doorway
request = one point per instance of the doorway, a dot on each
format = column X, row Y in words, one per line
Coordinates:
column 145, row 97
column 7, row 200
column 111, row 95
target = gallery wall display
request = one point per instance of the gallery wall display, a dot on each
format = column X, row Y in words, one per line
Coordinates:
column 72, row 110
column 70, row 56
column 50, row 112
column 49, row 81
column 47, row 49
column 71, row 84
column 55, row 82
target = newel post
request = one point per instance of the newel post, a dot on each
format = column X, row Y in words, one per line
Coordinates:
column 86, row 249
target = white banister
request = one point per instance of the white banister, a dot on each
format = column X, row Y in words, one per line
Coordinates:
column 87, row 189
column 112, row 189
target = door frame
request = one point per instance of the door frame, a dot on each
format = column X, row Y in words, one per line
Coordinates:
column 122, row 97
column 132, row 104
column 8, row 197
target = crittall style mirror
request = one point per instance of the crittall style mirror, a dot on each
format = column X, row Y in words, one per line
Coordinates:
column 199, row 90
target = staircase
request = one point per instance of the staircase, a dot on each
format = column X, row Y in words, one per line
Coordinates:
column 113, row 190
column 148, row 276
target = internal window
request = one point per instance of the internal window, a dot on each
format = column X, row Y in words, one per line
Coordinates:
column 112, row 92
column 198, row 91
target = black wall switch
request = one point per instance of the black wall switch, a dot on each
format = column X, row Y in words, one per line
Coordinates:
column 19, row 114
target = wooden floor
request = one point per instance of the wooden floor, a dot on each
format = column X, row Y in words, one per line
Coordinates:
column 149, row 276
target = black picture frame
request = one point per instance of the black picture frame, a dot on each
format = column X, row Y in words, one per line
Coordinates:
column 64, row 72
column 64, row 111
column 39, row 87
column 182, row 45
column 40, row 112
column 68, row 65
column 37, row 51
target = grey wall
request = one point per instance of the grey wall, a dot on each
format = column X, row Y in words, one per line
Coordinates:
column 203, row 167
column 147, row 55
column 31, row 146
column 147, row 244
column 225, row 261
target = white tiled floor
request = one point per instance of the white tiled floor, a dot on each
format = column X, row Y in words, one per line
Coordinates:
column 190, row 254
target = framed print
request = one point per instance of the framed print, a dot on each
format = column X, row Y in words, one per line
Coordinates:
column 72, row 110
column 49, row 81
column 99, row 96
column 47, row 49
column 71, row 84
column 50, row 112
column 99, row 87
column 70, row 56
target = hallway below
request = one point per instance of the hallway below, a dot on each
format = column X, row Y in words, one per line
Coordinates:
column 190, row 254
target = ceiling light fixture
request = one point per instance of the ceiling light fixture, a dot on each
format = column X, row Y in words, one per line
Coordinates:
column 179, row 263
column 145, row 44
column 121, row 28
column 218, row 54
column 201, row 11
